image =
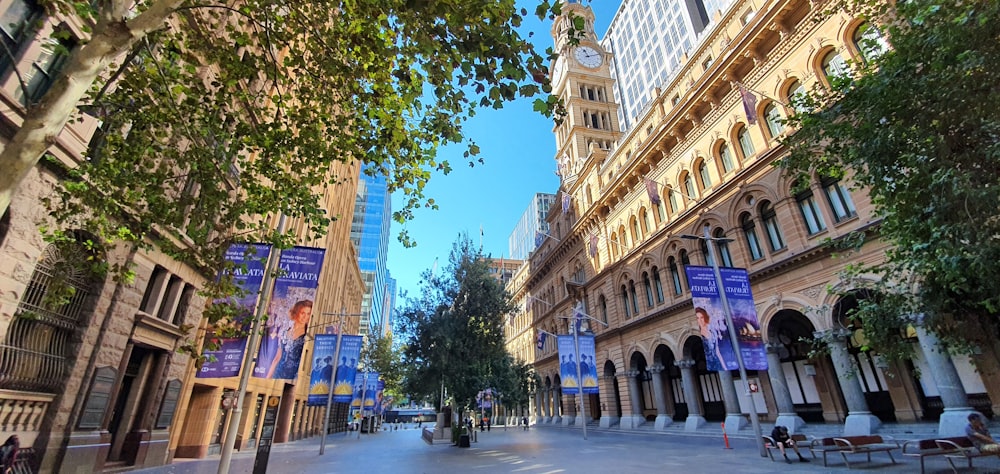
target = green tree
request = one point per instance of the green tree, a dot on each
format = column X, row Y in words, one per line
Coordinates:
column 217, row 113
column 384, row 357
column 455, row 328
column 917, row 128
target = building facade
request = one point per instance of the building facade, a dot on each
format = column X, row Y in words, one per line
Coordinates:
column 695, row 160
column 98, row 383
column 522, row 240
column 370, row 235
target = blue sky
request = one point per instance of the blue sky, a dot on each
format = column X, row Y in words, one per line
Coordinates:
column 517, row 146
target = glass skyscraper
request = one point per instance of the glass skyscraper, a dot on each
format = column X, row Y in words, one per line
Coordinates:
column 370, row 236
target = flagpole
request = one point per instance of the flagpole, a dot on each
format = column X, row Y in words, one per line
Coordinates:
column 364, row 388
column 226, row 455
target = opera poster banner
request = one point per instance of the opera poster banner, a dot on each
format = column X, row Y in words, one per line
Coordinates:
column 347, row 368
column 719, row 354
column 568, row 360
column 289, row 313
column 249, row 262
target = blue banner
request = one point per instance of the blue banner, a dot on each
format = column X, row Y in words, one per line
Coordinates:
column 324, row 350
column 719, row 354
column 568, row 360
column 289, row 313
column 347, row 368
column 365, row 385
column 380, row 401
column 248, row 274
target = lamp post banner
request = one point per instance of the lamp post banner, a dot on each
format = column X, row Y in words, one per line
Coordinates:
column 248, row 274
column 289, row 313
column 324, row 349
column 568, row 358
column 710, row 314
column 347, row 368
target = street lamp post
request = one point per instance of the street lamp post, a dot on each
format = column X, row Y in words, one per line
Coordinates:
column 727, row 312
column 574, row 323
column 333, row 378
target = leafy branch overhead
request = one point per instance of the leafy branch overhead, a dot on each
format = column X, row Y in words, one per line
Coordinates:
column 916, row 127
column 216, row 114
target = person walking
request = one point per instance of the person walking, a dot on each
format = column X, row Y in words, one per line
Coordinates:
column 524, row 421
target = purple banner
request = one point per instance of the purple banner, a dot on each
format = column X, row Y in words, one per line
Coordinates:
column 249, row 261
column 719, row 354
column 289, row 313
column 568, row 360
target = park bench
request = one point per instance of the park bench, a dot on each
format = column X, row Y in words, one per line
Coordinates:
column 867, row 445
column 771, row 445
column 823, row 446
column 960, row 448
column 924, row 448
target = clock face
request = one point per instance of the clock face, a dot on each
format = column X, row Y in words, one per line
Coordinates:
column 588, row 57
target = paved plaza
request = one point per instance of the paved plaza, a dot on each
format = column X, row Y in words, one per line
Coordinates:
column 542, row 451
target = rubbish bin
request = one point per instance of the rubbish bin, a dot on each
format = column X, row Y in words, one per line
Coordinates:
column 463, row 441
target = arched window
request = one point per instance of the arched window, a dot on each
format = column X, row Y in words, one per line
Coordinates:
column 657, row 285
column 661, row 216
column 635, row 299
column 689, row 187
column 625, row 301
column 773, row 120
column 675, row 276
column 811, row 214
column 750, row 234
column 614, row 244
column 636, row 236
column 839, row 198
column 726, row 158
column 746, row 145
column 685, row 261
column 834, row 66
column 794, row 96
column 648, row 286
column 869, row 42
column 672, row 199
column 621, row 231
column 39, row 341
column 706, row 180
column 602, row 304
column 770, row 220
column 646, row 225
column 722, row 245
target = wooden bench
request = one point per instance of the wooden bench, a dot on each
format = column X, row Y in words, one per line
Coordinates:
column 960, row 448
column 823, row 446
column 865, row 445
column 770, row 444
column 924, row 448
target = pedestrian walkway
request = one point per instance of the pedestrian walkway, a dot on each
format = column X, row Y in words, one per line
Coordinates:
column 545, row 450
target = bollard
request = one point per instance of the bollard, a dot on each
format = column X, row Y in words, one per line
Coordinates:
column 724, row 436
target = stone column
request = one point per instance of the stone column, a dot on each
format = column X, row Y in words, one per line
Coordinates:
column 546, row 408
column 538, row 405
column 860, row 420
column 609, row 408
column 634, row 419
column 735, row 420
column 557, row 404
column 782, row 396
column 662, row 418
column 942, row 369
column 694, row 419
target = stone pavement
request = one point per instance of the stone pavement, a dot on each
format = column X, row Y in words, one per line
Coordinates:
column 543, row 450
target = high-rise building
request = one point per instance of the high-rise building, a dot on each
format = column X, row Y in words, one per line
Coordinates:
column 370, row 236
column 388, row 304
column 522, row 240
column 647, row 40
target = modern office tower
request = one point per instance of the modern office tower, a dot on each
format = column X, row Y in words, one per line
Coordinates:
column 388, row 304
column 647, row 40
column 522, row 240
column 370, row 236
column 694, row 182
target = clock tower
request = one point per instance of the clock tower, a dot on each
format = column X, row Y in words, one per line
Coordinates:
column 581, row 77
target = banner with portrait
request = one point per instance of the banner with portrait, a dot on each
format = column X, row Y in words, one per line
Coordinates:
column 719, row 354
column 568, row 360
column 289, row 313
column 249, row 262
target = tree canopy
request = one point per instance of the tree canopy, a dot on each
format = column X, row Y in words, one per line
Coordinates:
column 455, row 329
column 917, row 128
column 216, row 114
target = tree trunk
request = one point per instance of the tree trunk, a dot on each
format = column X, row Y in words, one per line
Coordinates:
column 43, row 122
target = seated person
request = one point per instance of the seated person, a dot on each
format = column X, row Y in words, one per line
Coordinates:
column 780, row 436
column 980, row 436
